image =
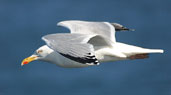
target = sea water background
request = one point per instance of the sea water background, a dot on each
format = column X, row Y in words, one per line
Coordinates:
column 24, row 22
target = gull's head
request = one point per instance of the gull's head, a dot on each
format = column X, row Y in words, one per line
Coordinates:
column 40, row 54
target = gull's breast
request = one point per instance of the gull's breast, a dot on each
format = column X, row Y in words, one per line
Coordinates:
column 60, row 60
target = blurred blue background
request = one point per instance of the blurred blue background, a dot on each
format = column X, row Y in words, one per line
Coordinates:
column 24, row 22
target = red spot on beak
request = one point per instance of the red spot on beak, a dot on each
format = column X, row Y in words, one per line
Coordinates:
column 28, row 60
column 25, row 62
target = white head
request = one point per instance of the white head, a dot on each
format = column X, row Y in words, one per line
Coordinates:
column 40, row 54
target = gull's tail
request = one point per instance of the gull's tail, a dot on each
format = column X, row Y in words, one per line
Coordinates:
column 151, row 51
column 135, row 52
column 144, row 53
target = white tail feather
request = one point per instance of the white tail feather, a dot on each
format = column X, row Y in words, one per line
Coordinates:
column 143, row 50
column 156, row 51
column 132, row 50
column 151, row 51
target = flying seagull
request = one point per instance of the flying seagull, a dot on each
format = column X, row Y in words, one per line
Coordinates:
column 88, row 44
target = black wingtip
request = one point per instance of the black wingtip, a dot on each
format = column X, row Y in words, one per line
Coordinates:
column 131, row 29
column 89, row 60
column 125, row 29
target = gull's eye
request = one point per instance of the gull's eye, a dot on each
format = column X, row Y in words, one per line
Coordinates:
column 39, row 51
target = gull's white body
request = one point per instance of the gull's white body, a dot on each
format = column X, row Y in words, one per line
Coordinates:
column 98, row 37
column 107, row 54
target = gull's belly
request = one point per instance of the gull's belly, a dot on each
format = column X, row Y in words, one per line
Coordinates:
column 65, row 62
column 105, row 55
column 107, row 58
column 62, row 61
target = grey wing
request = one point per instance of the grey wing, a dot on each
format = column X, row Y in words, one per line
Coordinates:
column 104, row 29
column 66, row 37
column 72, row 46
column 119, row 27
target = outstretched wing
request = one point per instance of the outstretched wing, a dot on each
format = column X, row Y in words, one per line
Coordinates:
column 104, row 29
column 73, row 46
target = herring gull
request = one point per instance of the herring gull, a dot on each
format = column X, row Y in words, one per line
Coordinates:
column 88, row 44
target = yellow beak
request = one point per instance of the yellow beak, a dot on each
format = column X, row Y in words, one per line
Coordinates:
column 28, row 60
